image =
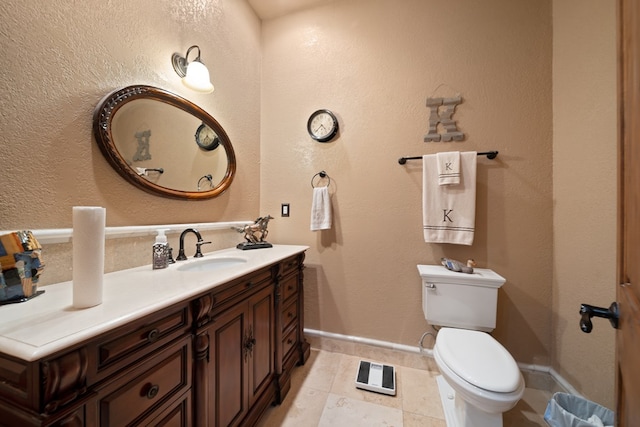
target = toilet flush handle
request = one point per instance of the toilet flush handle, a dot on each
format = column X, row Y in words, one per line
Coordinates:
column 430, row 285
column 588, row 311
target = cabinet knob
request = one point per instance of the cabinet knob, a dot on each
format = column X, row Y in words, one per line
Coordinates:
column 153, row 335
column 249, row 341
column 152, row 391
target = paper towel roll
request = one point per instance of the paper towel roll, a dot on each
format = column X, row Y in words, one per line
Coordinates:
column 88, row 255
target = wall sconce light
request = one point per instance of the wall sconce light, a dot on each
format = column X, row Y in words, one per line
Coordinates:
column 194, row 74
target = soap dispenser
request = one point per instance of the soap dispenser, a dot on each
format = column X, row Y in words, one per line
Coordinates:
column 160, row 251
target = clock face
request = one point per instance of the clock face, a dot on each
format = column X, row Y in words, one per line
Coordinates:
column 206, row 138
column 322, row 125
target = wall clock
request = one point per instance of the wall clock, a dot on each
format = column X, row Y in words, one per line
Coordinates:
column 322, row 125
column 206, row 138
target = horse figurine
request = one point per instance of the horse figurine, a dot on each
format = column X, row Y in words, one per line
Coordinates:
column 252, row 231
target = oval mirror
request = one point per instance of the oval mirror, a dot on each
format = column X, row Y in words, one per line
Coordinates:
column 163, row 143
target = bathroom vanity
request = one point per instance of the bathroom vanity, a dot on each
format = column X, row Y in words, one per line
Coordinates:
column 206, row 342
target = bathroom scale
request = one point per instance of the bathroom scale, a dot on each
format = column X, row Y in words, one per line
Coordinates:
column 376, row 377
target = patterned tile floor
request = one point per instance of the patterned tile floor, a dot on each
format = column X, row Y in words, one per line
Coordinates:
column 323, row 393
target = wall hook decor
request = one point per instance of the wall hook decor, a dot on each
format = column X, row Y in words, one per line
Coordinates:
column 443, row 116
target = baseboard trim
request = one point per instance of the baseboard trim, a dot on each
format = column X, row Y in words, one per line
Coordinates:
column 367, row 341
column 561, row 382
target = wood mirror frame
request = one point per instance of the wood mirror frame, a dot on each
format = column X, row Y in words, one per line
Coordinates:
column 103, row 119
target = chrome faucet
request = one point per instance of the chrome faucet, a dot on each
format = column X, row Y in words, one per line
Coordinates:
column 181, row 256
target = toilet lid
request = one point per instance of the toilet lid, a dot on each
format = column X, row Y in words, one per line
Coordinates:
column 479, row 359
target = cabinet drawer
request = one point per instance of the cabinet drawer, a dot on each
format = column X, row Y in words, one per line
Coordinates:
column 134, row 395
column 289, row 287
column 239, row 287
column 288, row 265
column 289, row 342
column 289, row 314
column 133, row 339
column 178, row 414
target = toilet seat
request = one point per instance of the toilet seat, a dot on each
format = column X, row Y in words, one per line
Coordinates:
column 459, row 342
column 479, row 359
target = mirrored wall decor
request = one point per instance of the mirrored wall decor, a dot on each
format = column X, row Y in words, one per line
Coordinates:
column 163, row 143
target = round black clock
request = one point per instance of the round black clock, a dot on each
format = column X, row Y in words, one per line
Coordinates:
column 206, row 138
column 322, row 125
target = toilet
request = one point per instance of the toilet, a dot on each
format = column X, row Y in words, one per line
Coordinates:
column 479, row 379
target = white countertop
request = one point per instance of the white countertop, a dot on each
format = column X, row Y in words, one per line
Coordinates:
column 48, row 323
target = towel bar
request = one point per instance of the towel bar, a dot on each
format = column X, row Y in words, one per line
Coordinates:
column 322, row 174
column 490, row 155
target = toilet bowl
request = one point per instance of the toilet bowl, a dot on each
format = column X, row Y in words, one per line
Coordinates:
column 481, row 378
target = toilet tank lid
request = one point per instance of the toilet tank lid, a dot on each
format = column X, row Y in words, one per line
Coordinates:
column 479, row 359
column 479, row 277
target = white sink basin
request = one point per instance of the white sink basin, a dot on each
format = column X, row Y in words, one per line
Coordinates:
column 212, row 264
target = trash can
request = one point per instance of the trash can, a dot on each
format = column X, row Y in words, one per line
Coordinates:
column 568, row 410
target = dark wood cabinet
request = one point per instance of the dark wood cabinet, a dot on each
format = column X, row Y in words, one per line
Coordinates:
column 292, row 348
column 240, row 365
column 118, row 378
column 239, row 325
column 218, row 359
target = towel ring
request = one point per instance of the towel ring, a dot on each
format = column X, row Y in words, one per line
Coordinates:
column 322, row 174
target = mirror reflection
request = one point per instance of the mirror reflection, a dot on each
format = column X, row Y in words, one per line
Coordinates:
column 163, row 143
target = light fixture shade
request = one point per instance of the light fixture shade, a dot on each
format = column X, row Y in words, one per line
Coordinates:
column 197, row 77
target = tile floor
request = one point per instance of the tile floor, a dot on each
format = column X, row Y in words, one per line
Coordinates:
column 323, row 393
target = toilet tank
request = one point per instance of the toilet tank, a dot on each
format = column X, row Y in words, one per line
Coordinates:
column 460, row 300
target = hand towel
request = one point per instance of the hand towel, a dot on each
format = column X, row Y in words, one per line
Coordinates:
column 320, row 209
column 448, row 168
column 449, row 211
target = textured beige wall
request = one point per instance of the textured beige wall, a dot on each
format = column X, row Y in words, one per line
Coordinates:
column 374, row 64
column 63, row 57
column 584, row 191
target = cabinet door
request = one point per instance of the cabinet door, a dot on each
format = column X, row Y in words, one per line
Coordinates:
column 227, row 367
column 262, row 336
column 241, row 358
